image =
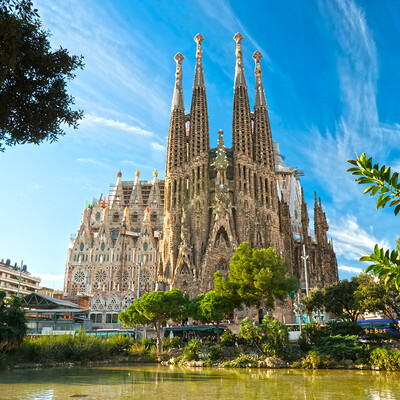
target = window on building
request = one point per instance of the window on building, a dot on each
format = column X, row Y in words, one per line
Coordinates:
column 108, row 318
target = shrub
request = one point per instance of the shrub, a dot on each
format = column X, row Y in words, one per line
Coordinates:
column 385, row 359
column 311, row 334
column 228, row 339
column 269, row 338
column 274, row 336
column 244, row 361
column 344, row 328
column 192, row 350
column 119, row 343
column 314, row 360
column 344, row 347
column 214, row 352
column 142, row 346
column 172, row 343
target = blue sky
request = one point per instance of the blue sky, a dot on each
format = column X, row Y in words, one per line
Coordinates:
column 332, row 81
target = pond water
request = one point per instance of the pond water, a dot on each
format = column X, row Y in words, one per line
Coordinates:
column 163, row 382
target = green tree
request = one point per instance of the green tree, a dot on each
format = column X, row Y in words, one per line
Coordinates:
column 13, row 326
column 380, row 180
column 340, row 299
column 374, row 296
column 256, row 276
column 33, row 79
column 211, row 308
column 155, row 308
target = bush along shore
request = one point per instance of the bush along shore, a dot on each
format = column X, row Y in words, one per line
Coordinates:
column 257, row 346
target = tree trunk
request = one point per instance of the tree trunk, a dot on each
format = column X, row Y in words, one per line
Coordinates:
column 159, row 341
column 218, row 337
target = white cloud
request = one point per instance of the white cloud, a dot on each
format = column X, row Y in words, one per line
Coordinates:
column 157, row 146
column 112, row 123
column 35, row 186
column 351, row 241
column 352, row 270
column 92, row 161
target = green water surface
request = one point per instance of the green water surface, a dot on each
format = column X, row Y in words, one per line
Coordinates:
column 162, row 382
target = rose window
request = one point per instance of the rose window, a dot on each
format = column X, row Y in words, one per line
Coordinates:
column 79, row 277
column 100, row 276
column 145, row 280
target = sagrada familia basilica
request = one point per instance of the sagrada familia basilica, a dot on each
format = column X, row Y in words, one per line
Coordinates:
column 177, row 232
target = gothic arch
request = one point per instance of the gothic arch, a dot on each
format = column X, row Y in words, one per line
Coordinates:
column 221, row 234
column 259, row 240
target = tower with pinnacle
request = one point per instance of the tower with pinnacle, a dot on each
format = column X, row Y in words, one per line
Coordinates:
column 178, row 232
column 230, row 196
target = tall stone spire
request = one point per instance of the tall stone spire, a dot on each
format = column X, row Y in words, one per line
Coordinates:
column 262, row 139
column 177, row 100
column 241, row 123
column 240, row 79
column 199, row 140
column 199, row 72
column 320, row 223
column 176, row 152
column 259, row 99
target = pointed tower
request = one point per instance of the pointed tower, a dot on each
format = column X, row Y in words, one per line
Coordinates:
column 117, row 192
column 199, row 140
column 262, row 138
column 305, row 220
column 241, row 123
column 320, row 224
column 177, row 149
column 176, row 153
column 175, row 180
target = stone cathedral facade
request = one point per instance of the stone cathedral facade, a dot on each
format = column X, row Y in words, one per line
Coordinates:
column 177, row 233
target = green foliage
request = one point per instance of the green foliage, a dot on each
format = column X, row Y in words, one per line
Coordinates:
column 155, row 308
column 172, row 343
column 12, row 322
column 118, row 343
column 256, row 276
column 380, row 180
column 340, row 299
column 33, row 79
column 274, row 336
column 214, row 352
column 384, row 359
column 314, row 360
column 228, row 339
column 192, row 350
column 269, row 338
column 385, row 264
column 314, row 302
column 344, row 347
column 311, row 334
column 142, row 347
column 243, row 361
column 210, row 308
column 376, row 296
column 344, row 327
column 62, row 348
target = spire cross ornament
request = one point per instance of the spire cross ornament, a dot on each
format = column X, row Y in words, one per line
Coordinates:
column 257, row 56
column 179, row 58
column 238, row 39
column 198, row 39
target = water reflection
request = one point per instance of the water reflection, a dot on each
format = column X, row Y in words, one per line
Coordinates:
column 151, row 381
